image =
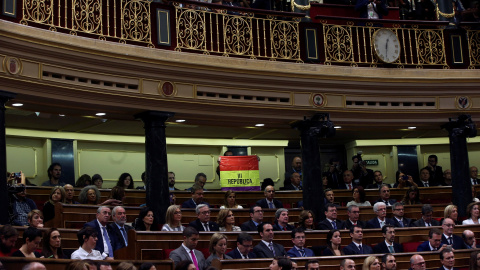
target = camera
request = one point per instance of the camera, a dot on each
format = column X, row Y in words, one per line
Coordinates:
column 405, row 177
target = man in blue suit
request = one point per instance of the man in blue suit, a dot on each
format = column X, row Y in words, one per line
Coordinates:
column 197, row 198
column 381, row 219
column 104, row 244
column 244, row 247
column 298, row 250
column 356, row 247
column 434, row 242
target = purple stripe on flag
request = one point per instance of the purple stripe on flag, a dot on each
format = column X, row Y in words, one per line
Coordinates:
column 251, row 188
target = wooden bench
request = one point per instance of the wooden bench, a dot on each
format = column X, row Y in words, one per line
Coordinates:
column 462, row 258
column 60, row 264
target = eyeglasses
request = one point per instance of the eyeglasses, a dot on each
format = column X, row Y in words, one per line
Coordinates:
column 205, row 212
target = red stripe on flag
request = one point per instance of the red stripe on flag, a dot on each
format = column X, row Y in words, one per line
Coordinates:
column 238, row 163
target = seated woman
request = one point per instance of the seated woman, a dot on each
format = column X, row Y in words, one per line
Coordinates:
column 358, row 194
column 281, row 263
column 35, row 218
column 89, row 195
column 230, row 201
column 83, row 181
column 57, row 194
column 126, row 181
column 31, row 238
column 371, row 263
column 87, row 238
column 97, row 180
column 173, row 219
column 412, row 196
column 52, row 244
column 117, row 196
column 306, row 220
column 226, row 221
column 473, row 213
column 404, row 180
column 217, row 248
column 451, row 211
column 145, row 221
column 334, row 240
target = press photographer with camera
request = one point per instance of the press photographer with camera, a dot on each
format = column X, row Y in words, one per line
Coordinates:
column 20, row 205
column 361, row 175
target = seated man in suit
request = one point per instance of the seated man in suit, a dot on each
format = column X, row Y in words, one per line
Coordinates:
column 269, row 201
column 389, row 245
column 256, row 215
column 356, row 246
column 104, row 242
column 389, row 262
column 298, row 250
column 469, row 239
column 203, row 223
column 426, row 220
column 312, row 265
column 197, row 198
column 281, row 220
column 266, row 248
column 329, row 196
column 353, row 212
column 447, row 258
column 331, row 222
column 398, row 216
column 295, row 181
column 200, row 180
column 380, row 220
column 434, row 242
column 118, row 229
column 425, row 179
column 378, row 177
column 347, row 264
column 187, row 250
column 449, row 238
column 417, row 262
column 385, row 195
column 244, row 247
column 347, row 181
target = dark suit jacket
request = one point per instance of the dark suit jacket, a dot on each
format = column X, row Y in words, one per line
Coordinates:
column 293, row 252
column 441, row 268
column 262, row 251
column 249, row 226
column 436, row 177
column 180, row 254
column 235, row 254
column 406, row 222
column 348, row 224
column 382, row 248
column 191, row 204
column 373, row 223
column 361, row 7
column 430, row 183
column 342, row 185
column 291, row 187
column 352, row 249
column 276, row 227
column 457, row 242
column 421, row 223
column 116, row 235
column 326, row 225
column 263, row 203
column 375, row 186
column 425, row 246
column 99, row 246
column 212, row 225
column 390, row 202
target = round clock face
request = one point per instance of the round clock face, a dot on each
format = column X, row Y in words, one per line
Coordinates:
column 386, row 45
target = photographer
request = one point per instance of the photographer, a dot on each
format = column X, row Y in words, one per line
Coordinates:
column 20, row 205
column 361, row 175
column 404, row 180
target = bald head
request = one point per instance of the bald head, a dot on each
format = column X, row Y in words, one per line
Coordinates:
column 34, row 266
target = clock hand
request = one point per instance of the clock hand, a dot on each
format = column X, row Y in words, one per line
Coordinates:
column 386, row 45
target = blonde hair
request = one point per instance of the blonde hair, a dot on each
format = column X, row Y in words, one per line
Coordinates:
column 222, row 215
column 368, row 262
column 169, row 215
column 32, row 213
column 62, row 191
column 214, row 240
column 448, row 210
column 228, row 193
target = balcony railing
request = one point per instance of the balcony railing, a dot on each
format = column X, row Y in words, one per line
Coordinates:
column 193, row 26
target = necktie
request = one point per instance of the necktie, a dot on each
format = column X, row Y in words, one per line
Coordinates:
column 334, row 225
column 270, row 205
column 382, row 223
column 302, row 252
column 450, row 241
column 391, row 249
column 360, row 248
column 349, row 186
column 194, row 259
column 107, row 240
column 205, row 225
column 401, row 223
column 271, row 248
column 387, row 203
column 428, row 225
column 124, row 233
column 285, row 228
column 474, row 181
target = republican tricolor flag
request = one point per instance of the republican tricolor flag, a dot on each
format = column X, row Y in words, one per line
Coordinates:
column 239, row 173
